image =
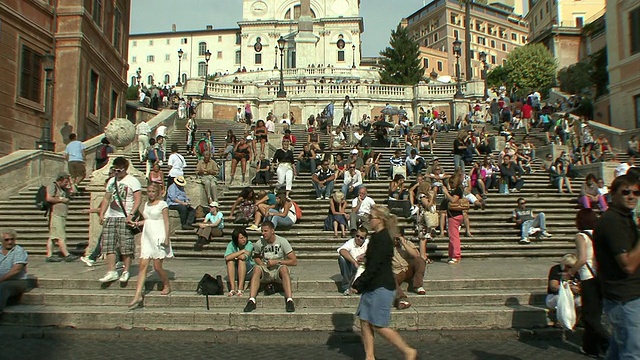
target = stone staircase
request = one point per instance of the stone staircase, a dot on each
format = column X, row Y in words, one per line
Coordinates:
column 499, row 283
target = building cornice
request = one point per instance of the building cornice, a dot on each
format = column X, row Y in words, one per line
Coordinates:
column 184, row 33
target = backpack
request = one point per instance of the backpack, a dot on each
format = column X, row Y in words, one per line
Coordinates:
column 209, row 285
column 102, row 153
column 298, row 211
column 41, row 200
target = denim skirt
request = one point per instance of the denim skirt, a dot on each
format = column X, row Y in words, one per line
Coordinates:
column 375, row 306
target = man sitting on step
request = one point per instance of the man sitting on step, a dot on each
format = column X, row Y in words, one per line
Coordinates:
column 351, row 258
column 360, row 209
column 273, row 256
column 530, row 225
column 407, row 265
column 13, row 267
column 323, row 180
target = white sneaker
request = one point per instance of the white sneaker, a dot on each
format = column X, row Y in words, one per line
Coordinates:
column 319, row 198
column 525, row 241
column 124, row 277
column 546, row 234
column 109, row 277
column 87, row 261
column 534, row 230
column 119, row 265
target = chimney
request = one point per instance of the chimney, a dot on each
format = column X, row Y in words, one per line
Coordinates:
column 209, row 27
column 173, row 27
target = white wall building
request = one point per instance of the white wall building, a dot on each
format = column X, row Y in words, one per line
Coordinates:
column 318, row 32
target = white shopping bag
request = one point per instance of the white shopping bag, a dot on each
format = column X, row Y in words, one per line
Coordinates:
column 566, row 309
column 358, row 273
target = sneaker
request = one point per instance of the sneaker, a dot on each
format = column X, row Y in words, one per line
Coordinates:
column 534, row 230
column 421, row 291
column 524, row 240
column 124, row 277
column 250, row 306
column 109, row 277
column 346, row 293
column 290, row 307
column 319, row 198
column 70, row 258
column 119, row 265
column 253, row 227
column 87, row 261
column 546, row 234
column 452, row 261
column 53, row 259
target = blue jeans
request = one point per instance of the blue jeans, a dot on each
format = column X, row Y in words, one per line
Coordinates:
column 625, row 337
column 280, row 220
column 325, row 190
column 415, row 169
column 347, row 270
column 495, row 118
column 345, row 190
column 457, row 162
column 539, row 221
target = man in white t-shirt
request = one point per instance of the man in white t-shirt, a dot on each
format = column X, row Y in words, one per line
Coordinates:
column 270, row 125
column 142, row 130
column 121, row 201
column 625, row 166
column 351, row 258
column 176, row 164
column 360, row 209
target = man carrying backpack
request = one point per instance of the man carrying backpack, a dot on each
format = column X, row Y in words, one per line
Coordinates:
column 58, row 199
column 102, row 153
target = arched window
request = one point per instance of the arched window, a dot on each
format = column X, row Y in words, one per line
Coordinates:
column 202, row 48
column 184, row 78
column 134, row 81
column 167, row 79
column 296, row 13
column 149, row 80
column 202, row 68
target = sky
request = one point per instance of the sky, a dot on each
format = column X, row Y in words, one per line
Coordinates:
column 380, row 17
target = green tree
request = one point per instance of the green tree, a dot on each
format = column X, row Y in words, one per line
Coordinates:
column 531, row 67
column 575, row 78
column 599, row 73
column 497, row 76
column 401, row 60
column 132, row 92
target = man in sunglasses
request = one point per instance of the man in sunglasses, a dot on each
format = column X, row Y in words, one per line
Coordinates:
column 529, row 223
column 13, row 267
column 617, row 249
column 351, row 258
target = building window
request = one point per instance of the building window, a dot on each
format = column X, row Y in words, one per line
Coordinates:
column 134, row 81
column 184, row 78
column 167, row 78
column 114, row 105
column 257, row 59
column 167, row 57
column 202, row 68
column 31, row 75
column 472, row 54
column 482, row 40
column 238, row 38
column 184, row 56
column 219, row 38
column 426, row 42
column 493, row 44
column 202, row 48
column 425, row 63
column 117, row 29
column 524, row 39
column 151, row 58
column 493, row 59
column 439, row 65
column 579, row 21
column 219, row 55
column 341, row 55
column 134, row 59
column 634, row 27
column 134, row 43
column 514, row 36
column 435, row 37
column 504, row 62
column 456, row 34
column 238, row 57
column 183, row 41
column 504, row 47
column 150, row 42
column 93, row 92
column 168, row 41
column 97, row 12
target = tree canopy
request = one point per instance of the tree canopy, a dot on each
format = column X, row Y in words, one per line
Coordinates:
column 401, row 60
column 531, row 67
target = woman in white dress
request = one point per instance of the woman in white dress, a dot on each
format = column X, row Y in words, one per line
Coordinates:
column 155, row 244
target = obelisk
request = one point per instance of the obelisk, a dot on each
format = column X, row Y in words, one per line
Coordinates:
column 305, row 39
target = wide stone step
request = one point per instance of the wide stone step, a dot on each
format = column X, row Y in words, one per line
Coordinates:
column 232, row 318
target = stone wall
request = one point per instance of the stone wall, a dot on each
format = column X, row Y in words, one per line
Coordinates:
column 618, row 138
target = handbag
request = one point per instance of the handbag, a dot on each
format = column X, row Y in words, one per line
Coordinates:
column 566, row 309
column 209, row 285
column 135, row 230
column 431, row 219
column 461, row 205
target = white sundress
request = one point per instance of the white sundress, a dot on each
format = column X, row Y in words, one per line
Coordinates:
column 153, row 233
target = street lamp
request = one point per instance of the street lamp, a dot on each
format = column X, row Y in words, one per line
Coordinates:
column 275, row 59
column 180, row 52
column 45, row 142
column 483, row 59
column 207, row 57
column 139, row 75
column 281, row 43
column 353, row 48
column 457, row 51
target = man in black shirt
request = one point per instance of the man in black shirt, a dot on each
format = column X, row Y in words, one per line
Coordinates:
column 618, row 254
column 512, row 174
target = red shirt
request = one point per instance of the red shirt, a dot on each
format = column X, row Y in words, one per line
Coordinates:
column 526, row 111
column 435, row 114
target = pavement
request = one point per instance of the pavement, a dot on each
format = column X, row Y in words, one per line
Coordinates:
column 91, row 345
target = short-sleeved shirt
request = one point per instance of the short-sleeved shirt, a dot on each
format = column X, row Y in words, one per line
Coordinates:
column 324, row 174
column 177, row 163
column 17, row 255
column 232, row 248
column 213, row 218
column 524, row 215
column 275, row 251
column 353, row 248
column 74, row 149
column 58, row 209
column 365, row 206
column 271, row 199
column 126, row 188
column 456, row 192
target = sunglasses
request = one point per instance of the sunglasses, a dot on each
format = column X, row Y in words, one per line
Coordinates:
column 635, row 193
column 522, row 203
column 118, row 170
column 9, row 239
column 359, row 237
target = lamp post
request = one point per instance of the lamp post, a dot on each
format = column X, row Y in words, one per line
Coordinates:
column 457, row 51
column 483, row 59
column 139, row 75
column 281, row 43
column 353, row 48
column 275, row 59
column 45, row 142
column 207, row 57
column 180, row 52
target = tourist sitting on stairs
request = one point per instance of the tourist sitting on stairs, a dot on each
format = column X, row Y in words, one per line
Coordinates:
column 530, row 225
column 409, row 266
column 211, row 226
column 351, row 259
column 245, row 203
column 178, row 200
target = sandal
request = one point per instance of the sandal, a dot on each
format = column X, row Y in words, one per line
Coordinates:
column 239, row 292
column 232, row 293
column 429, row 261
column 403, row 304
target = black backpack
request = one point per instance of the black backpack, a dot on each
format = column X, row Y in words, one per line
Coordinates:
column 41, row 200
column 209, row 285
